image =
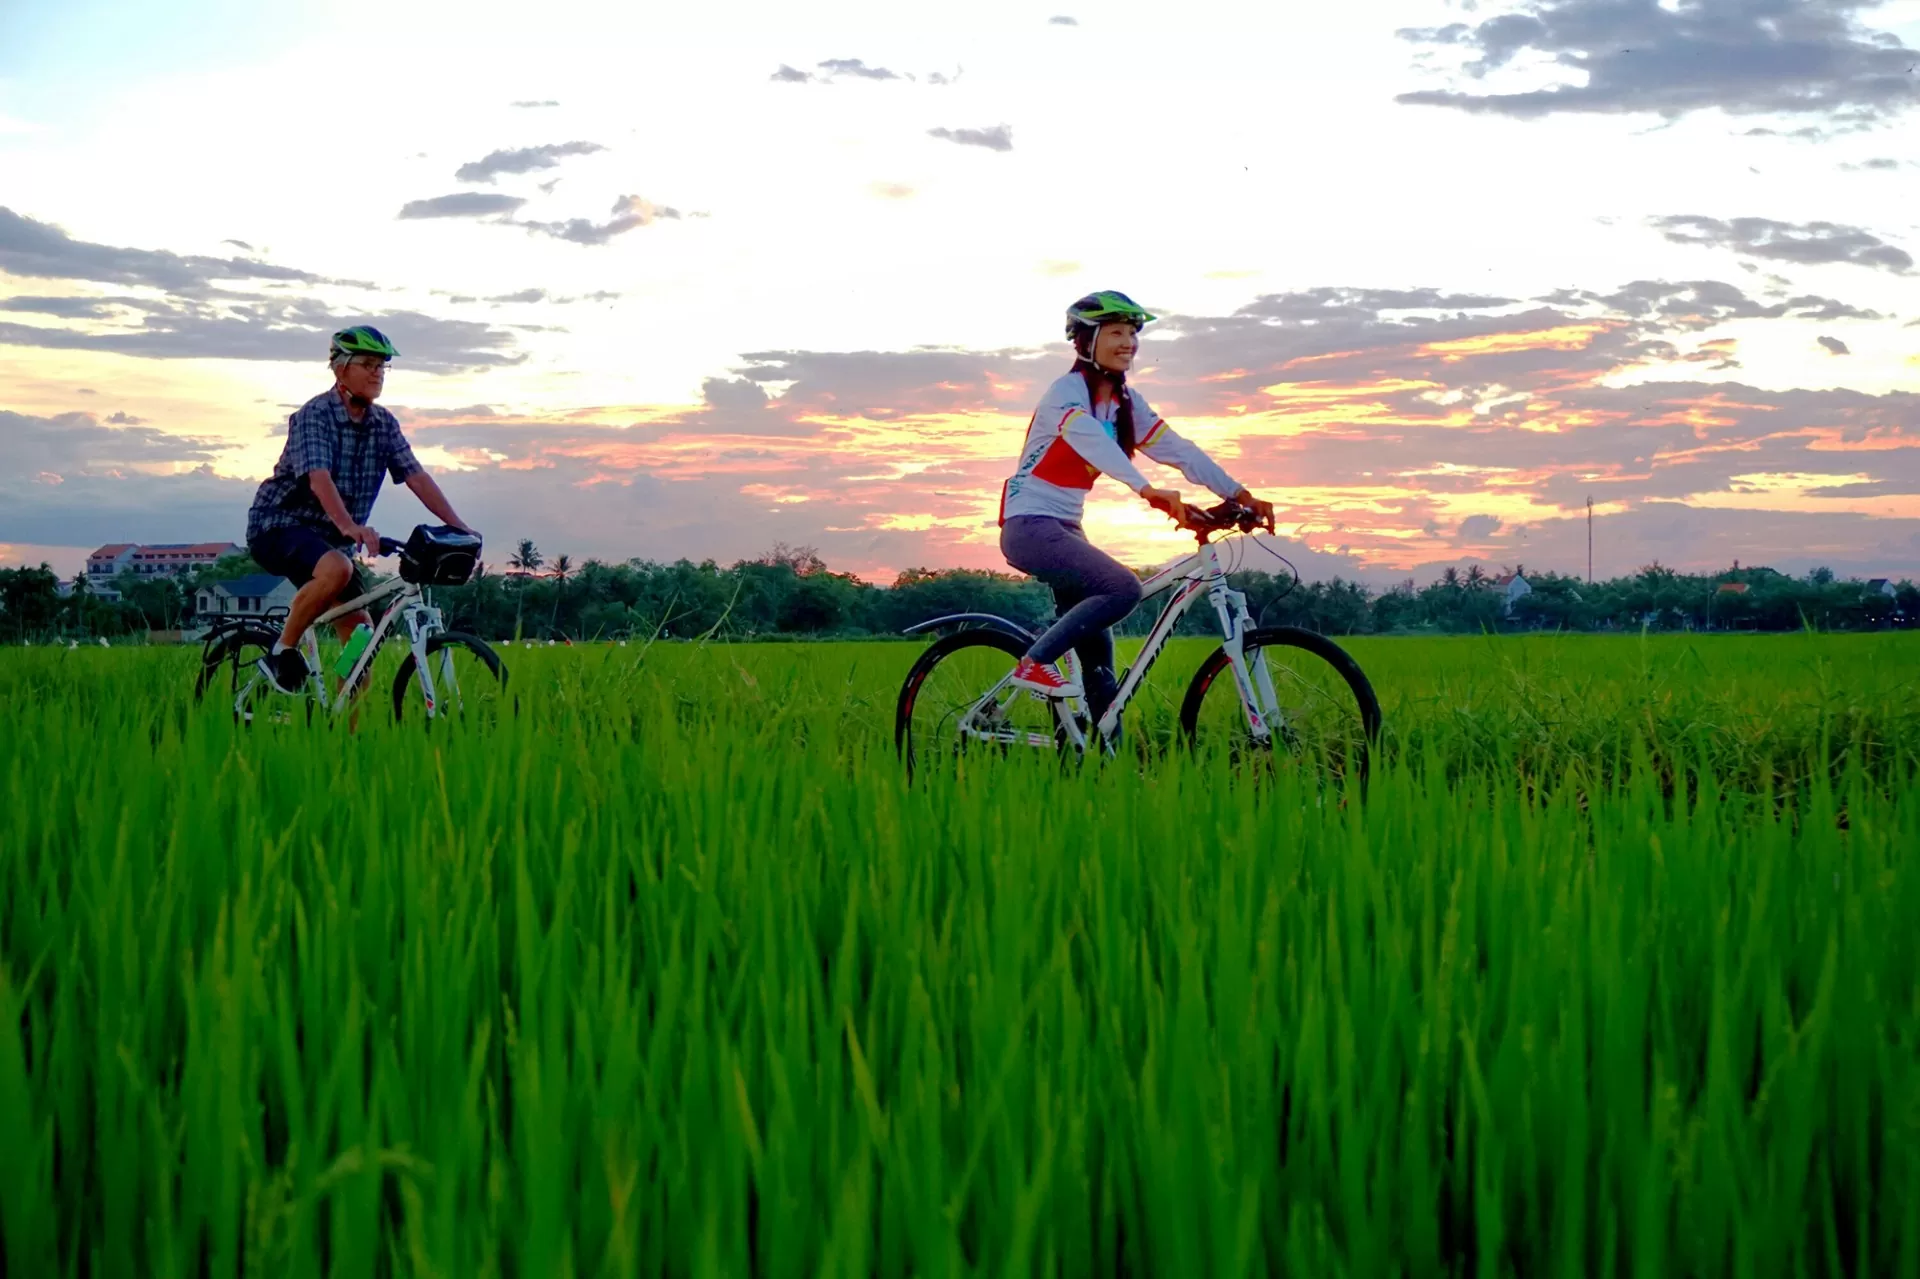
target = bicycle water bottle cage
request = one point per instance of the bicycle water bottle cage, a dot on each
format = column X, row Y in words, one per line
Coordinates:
column 437, row 555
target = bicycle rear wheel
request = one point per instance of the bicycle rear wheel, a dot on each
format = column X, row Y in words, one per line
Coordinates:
column 1325, row 715
column 469, row 682
column 956, row 702
column 228, row 671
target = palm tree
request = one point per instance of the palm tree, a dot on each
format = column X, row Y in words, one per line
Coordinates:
column 526, row 557
column 562, row 569
column 1451, row 578
column 1476, row 577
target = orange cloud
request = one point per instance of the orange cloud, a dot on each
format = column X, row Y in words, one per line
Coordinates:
column 1565, row 337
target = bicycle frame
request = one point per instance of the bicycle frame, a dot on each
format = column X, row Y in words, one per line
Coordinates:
column 1189, row 578
column 423, row 622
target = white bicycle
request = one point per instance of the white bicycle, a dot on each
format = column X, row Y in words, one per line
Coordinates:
column 453, row 674
column 1293, row 694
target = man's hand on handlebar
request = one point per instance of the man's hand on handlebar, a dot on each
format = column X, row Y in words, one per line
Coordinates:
column 365, row 538
column 1167, row 500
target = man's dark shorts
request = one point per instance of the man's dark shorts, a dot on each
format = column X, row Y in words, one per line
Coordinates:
column 293, row 552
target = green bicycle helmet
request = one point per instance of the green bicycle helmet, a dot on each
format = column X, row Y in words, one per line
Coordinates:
column 1085, row 316
column 361, row 339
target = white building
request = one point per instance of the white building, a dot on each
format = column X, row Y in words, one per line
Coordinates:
column 242, row 597
column 168, row 558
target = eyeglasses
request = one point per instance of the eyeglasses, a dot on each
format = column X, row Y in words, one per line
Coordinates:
column 371, row 362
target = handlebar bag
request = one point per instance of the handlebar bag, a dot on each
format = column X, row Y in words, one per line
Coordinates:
column 437, row 555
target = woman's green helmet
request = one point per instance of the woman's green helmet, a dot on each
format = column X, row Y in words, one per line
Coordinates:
column 1087, row 315
column 361, row 339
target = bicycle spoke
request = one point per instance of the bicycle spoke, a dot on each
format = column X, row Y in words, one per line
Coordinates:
column 962, row 706
column 1306, row 714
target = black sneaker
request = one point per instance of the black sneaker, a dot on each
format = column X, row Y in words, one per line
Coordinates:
column 287, row 671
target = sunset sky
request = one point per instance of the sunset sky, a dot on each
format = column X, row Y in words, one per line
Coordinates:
column 688, row 280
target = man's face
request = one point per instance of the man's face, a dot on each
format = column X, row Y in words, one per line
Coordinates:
column 364, row 376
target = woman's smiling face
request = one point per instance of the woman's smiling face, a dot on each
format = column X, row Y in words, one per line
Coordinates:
column 1115, row 344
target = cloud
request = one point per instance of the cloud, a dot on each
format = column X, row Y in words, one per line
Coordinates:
column 522, row 160
column 1879, row 164
column 1834, row 345
column 530, row 104
column 1063, row 20
column 39, row 250
column 122, row 483
column 833, row 69
column 997, row 138
column 629, row 212
column 892, row 190
column 239, row 244
column 836, row 67
column 66, row 308
column 462, row 204
column 524, row 295
column 125, row 419
column 1741, row 56
column 294, row 330
column 1807, row 243
column 1394, row 426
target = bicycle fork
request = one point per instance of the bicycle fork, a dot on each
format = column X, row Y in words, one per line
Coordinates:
column 422, row 624
column 1258, row 702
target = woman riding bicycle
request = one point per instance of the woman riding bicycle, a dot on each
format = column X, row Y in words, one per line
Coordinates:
column 1089, row 423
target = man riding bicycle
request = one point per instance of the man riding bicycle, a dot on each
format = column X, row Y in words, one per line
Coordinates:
column 312, row 512
column 1088, row 423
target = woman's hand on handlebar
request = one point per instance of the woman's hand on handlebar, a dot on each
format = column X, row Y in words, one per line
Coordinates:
column 1167, row 500
column 1258, row 506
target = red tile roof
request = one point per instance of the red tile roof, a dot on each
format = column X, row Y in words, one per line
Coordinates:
column 178, row 550
column 112, row 549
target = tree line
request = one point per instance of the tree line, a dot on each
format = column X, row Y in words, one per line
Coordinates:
column 790, row 592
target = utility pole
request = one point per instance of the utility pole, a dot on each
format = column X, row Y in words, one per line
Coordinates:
column 1589, row 540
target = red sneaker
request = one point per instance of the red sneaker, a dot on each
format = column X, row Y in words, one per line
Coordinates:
column 1043, row 678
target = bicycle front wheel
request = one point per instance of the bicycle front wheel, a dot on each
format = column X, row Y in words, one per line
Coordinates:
column 956, row 701
column 466, row 681
column 1322, row 714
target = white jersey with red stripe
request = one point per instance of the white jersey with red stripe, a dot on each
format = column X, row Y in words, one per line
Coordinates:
column 1071, row 442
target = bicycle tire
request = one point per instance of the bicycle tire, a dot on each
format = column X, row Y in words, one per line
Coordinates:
column 227, row 651
column 941, row 650
column 1366, row 704
column 481, row 650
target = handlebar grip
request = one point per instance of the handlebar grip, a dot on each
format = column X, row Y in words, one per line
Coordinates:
column 389, row 546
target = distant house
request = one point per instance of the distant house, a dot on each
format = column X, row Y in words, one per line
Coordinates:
column 173, row 557
column 249, row 596
column 115, row 558
column 110, row 559
column 1514, row 587
column 1882, row 586
column 1732, row 588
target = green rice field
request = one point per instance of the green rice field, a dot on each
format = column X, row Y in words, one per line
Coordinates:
column 1615, row 969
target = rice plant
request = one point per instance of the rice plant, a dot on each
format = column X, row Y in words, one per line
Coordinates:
column 1616, row 969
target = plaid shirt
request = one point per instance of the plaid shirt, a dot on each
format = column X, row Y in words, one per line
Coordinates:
column 358, row 455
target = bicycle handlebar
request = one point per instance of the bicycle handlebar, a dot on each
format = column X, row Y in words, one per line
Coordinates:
column 390, row 546
column 1219, row 518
